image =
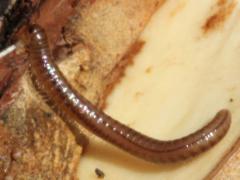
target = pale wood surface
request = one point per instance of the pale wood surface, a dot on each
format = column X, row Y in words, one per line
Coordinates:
column 197, row 62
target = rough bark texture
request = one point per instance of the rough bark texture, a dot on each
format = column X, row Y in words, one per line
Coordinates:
column 36, row 144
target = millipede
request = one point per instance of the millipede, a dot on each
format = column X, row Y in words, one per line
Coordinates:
column 66, row 101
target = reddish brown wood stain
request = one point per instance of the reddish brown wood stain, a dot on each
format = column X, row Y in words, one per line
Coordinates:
column 223, row 12
column 127, row 60
column 11, row 68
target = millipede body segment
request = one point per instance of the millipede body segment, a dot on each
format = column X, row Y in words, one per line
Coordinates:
column 66, row 101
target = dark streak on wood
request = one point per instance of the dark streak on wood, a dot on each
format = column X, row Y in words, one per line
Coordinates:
column 217, row 19
column 118, row 71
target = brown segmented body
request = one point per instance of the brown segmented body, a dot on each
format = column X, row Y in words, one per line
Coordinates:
column 66, row 101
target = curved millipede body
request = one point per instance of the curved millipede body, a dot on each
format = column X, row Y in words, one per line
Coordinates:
column 66, row 101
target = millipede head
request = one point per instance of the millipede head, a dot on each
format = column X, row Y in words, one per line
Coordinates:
column 38, row 37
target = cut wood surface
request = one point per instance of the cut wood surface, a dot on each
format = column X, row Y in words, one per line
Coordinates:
column 186, row 71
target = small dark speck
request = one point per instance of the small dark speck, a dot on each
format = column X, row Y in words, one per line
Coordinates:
column 231, row 100
column 48, row 114
column 138, row 94
column 99, row 173
column 148, row 70
column 4, row 117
